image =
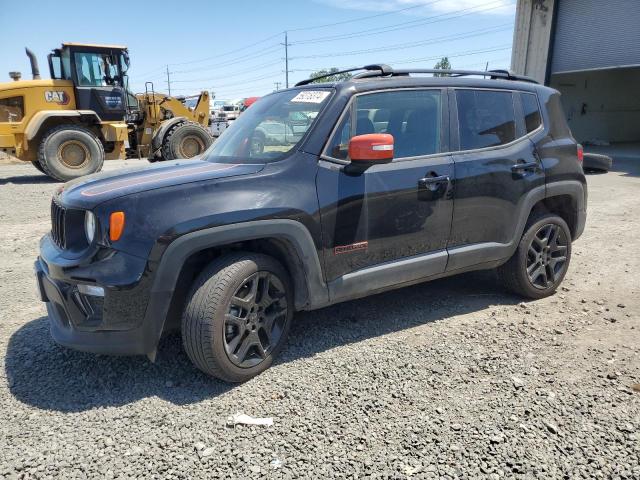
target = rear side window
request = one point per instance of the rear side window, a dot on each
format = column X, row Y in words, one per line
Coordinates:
column 11, row 109
column 486, row 118
column 532, row 119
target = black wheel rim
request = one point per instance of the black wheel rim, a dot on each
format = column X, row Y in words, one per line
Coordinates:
column 255, row 320
column 547, row 256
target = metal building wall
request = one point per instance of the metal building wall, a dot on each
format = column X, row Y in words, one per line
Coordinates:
column 594, row 34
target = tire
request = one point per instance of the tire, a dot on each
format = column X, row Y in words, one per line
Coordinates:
column 185, row 140
column 543, row 261
column 69, row 151
column 223, row 332
column 594, row 162
column 36, row 164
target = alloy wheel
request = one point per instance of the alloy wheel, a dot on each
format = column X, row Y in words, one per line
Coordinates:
column 547, row 256
column 255, row 319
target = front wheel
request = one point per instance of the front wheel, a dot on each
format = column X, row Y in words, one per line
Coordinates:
column 541, row 260
column 237, row 316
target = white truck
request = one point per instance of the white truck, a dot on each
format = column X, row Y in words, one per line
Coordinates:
column 222, row 117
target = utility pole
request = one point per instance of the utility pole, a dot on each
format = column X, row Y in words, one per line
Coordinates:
column 277, row 84
column 286, row 60
column 168, row 81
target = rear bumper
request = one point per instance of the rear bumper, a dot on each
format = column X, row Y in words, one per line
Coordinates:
column 582, row 212
column 582, row 220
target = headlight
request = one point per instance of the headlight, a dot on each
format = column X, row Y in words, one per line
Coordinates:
column 89, row 226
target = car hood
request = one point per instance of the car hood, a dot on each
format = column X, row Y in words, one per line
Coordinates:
column 89, row 191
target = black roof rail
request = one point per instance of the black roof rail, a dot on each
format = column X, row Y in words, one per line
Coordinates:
column 382, row 70
column 493, row 74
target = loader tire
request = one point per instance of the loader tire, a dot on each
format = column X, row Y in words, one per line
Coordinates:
column 70, row 151
column 185, row 140
column 36, row 164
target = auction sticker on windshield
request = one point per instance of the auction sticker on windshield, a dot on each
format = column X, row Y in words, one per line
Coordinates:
column 311, row 96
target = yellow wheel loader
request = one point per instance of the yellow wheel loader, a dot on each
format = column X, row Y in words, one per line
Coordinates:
column 68, row 125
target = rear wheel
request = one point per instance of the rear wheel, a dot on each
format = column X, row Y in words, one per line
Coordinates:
column 185, row 140
column 238, row 316
column 541, row 260
column 70, row 151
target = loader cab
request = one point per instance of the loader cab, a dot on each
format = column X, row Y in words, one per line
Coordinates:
column 98, row 73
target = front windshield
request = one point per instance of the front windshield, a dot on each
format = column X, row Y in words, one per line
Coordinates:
column 271, row 128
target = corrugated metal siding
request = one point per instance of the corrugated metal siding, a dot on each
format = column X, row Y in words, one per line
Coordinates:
column 596, row 34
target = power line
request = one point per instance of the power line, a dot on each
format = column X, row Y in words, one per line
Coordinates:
column 250, row 56
column 233, row 74
column 314, row 27
column 397, row 46
column 275, row 47
column 216, row 86
column 404, row 25
column 496, row 48
column 229, row 52
column 391, row 12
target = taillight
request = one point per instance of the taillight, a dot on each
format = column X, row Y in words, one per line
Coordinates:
column 580, row 153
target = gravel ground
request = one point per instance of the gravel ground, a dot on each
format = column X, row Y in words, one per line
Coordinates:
column 451, row 379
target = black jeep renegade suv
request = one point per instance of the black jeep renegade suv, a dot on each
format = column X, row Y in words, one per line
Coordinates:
column 382, row 181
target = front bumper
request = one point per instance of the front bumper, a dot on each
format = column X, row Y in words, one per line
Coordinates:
column 112, row 324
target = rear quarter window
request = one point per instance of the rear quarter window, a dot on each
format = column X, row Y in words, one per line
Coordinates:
column 557, row 120
column 532, row 118
column 486, row 118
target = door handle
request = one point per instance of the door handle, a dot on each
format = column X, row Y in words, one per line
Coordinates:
column 518, row 167
column 432, row 183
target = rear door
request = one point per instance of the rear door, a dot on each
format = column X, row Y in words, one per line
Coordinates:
column 496, row 166
column 395, row 210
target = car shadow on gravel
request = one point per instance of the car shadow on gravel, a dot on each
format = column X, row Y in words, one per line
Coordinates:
column 27, row 180
column 45, row 375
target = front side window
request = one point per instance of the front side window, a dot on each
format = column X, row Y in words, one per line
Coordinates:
column 411, row 116
column 271, row 129
column 339, row 145
column 532, row 119
column 11, row 109
column 96, row 69
column 486, row 118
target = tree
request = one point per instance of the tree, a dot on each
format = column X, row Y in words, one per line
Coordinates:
column 340, row 77
column 443, row 64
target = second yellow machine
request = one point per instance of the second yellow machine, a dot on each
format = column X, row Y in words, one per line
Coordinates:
column 69, row 124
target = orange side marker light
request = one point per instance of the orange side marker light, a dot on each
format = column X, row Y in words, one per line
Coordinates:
column 116, row 226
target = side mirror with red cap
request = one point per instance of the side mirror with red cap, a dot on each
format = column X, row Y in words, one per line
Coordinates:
column 372, row 147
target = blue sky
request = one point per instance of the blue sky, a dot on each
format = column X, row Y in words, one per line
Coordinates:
column 234, row 48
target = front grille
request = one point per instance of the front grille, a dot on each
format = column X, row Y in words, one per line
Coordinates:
column 58, row 214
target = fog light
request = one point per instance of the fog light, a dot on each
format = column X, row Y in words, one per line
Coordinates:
column 92, row 290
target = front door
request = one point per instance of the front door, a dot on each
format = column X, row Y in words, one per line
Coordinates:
column 391, row 211
column 98, row 85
